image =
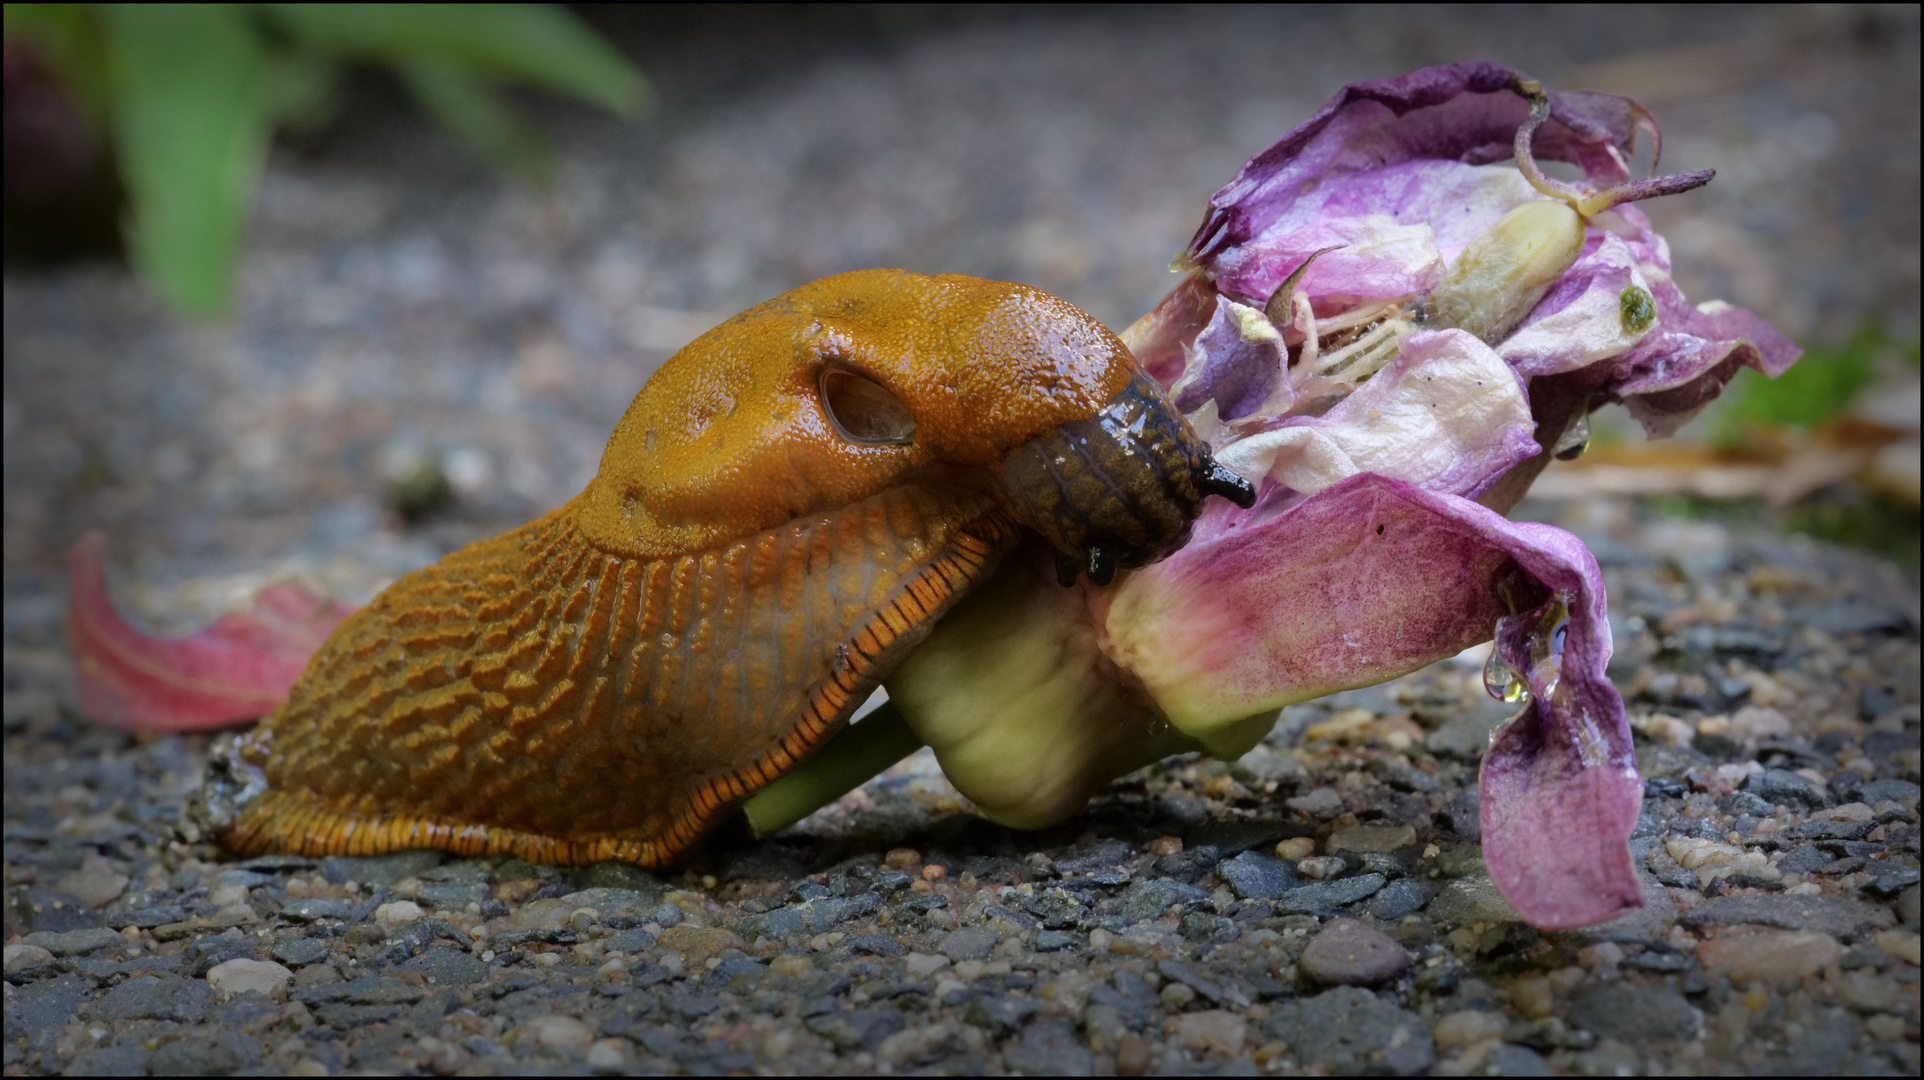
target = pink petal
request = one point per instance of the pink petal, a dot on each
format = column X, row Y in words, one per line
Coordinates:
column 1447, row 414
column 1467, row 113
column 238, row 669
column 1374, row 577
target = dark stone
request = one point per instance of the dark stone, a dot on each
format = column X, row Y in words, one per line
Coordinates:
column 816, row 916
column 1189, row 864
column 253, row 879
column 614, row 874
column 1202, row 928
column 1327, row 896
column 857, row 1029
column 1776, row 786
column 74, row 942
column 1147, row 900
column 1891, row 880
column 380, row 869
column 1659, row 961
column 872, row 945
column 300, row 952
column 1838, row 916
column 309, row 908
column 36, row 1013
column 448, row 966
column 1829, row 830
column 1100, row 855
column 1514, row 1060
column 1190, row 977
column 111, row 1061
column 200, row 956
column 1405, row 896
column 1056, row 940
column 1877, row 791
column 146, row 918
column 1261, row 877
column 1636, row 1014
column 690, row 1006
column 1803, row 860
column 1000, row 1014
column 1824, row 1045
column 1050, row 1049
column 42, row 909
column 1181, row 808
column 1351, row 1032
column 1744, row 802
column 969, row 943
column 630, row 941
column 454, row 895
column 155, row 997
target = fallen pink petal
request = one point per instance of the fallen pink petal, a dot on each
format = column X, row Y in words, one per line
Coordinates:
column 234, row 671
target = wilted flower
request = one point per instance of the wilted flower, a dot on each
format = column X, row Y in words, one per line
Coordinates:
column 1391, row 321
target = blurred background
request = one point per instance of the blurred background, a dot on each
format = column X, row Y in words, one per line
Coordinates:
column 423, row 266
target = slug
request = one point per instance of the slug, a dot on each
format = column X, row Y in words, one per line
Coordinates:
column 786, row 509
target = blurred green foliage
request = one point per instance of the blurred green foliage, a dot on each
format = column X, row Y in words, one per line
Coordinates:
column 1818, row 387
column 188, row 96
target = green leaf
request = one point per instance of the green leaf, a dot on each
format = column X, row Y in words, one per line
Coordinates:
column 535, row 43
column 474, row 112
column 188, row 108
column 1817, row 388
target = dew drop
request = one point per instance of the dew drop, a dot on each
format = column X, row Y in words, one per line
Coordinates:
column 1574, row 441
column 1503, row 681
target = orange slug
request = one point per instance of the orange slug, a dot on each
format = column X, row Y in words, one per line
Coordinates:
column 784, row 511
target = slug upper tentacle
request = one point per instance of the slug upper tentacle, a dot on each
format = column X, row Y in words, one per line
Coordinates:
column 784, row 512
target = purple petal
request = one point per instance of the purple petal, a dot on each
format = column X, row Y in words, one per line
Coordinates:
column 1683, row 365
column 1238, row 362
column 1376, row 256
column 1581, row 320
column 1374, row 577
column 1447, row 414
column 1453, row 112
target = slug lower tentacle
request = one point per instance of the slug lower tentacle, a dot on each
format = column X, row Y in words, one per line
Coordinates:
column 784, row 512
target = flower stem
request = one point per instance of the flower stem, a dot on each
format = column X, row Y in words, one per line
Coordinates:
column 857, row 753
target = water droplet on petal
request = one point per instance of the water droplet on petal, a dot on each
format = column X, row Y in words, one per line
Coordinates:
column 1574, row 440
column 1503, row 681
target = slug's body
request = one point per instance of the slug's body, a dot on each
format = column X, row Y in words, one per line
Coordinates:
column 786, row 509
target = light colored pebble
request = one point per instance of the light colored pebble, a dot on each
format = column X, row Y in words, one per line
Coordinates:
column 608, row 1054
column 232, row 977
column 1469, row 1027
column 1177, row 995
column 1899, row 943
column 1296, row 847
column 20, row 957
column 397, row 913
column 923, row 965
column 793, row 965
column 556, row 1031
column 1212, row 1030
column 1768, row 954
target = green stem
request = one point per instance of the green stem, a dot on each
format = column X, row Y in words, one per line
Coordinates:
column 855, row 754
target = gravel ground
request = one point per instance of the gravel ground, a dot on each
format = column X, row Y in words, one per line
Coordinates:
column 1317, row 906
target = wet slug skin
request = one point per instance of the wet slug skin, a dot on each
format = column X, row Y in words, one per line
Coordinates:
column 787, row 508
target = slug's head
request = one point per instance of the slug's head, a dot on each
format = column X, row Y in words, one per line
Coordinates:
column 865, row 381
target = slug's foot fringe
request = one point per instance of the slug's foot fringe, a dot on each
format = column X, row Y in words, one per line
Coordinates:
column 280, row 822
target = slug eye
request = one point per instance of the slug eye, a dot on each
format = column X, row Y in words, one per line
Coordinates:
column 863, row 410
